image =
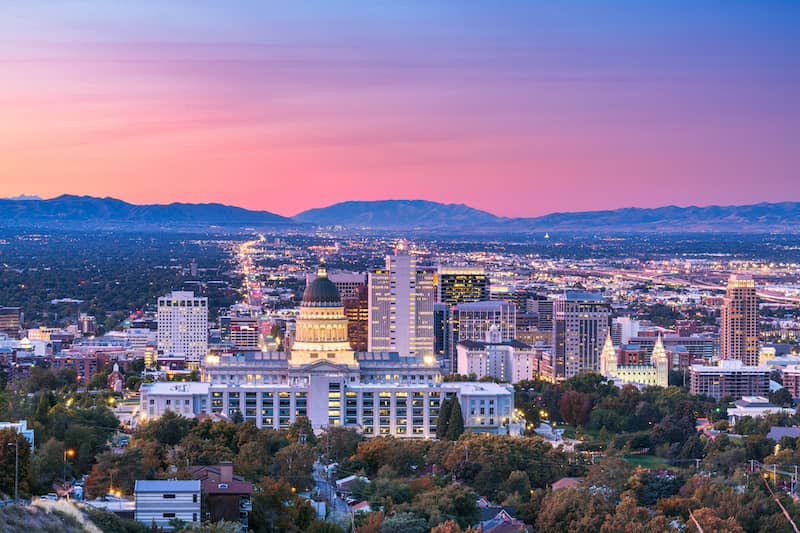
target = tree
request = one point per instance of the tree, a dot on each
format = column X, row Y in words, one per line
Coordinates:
column 404, row 523
column 444, row 418
column 116, row 471
column 453, row 502
column 611, row 472
column 339, row 443
column 11, row 444
column 169, row 429
column 48, row 464
column 712, row 523
column 295, row 463
column 574, row 407
column 447, row 527
column 277, row 508
column 455, row 425
column 573, row 509
column 628, row 517
column 302, row 431
column 781, row 397
column 517, row 485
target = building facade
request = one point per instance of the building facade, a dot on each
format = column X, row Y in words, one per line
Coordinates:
column 160, row 501
column 738, row 336
column 654, row 373
column 580, row 327
column 401, row 298
column 324, row 380
column 729, row 378
column 509, row 361
column 183, row 326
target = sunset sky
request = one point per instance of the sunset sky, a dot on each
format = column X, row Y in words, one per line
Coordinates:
column 520, row 108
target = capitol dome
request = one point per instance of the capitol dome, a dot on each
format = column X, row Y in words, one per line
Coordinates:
column 321, row 292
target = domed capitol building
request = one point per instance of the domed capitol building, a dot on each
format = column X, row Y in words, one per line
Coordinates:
column 322, row 378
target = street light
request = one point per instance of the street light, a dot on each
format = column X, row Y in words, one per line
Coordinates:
column 69, row 453
column 15, row 444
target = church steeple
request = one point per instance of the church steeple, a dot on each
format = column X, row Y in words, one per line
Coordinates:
column 661, row 363
column 608, row 358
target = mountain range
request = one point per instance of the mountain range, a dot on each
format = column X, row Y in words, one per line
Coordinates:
column 412, row 215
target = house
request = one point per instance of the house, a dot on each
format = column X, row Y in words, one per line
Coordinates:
column 225, row 496
column 502, row 522
column 159, row 501
column 344, row 485
column 498, row 519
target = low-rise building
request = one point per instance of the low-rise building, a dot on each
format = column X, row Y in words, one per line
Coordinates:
column 160, row 501
column 225, row 496
column 729, row 378
column 754, row 407
column 510, row 361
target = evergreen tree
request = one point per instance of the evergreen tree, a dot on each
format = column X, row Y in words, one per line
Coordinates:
column 444, row 418
column 455, row 425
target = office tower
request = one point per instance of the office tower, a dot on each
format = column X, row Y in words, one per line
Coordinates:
column 441, row 316
column 10, row 321
column 544, row 309
column 738, row 337
column 454, row 286
column 183, row 326
column 457, row 285
column 401, row 306
column 347, row 283
column 580, row 328
column 356, row 309
column 624, row 328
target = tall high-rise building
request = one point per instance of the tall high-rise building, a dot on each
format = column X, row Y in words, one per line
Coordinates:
column 356, row 309
column 183, row 326
column 441, row 317
column 580, row 328
column 401, row 300
column 738, row 338
column 458, row 285
column 10, row 321
column 544, row 310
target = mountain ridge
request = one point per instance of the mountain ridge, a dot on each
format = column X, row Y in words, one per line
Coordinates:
column 415, row 215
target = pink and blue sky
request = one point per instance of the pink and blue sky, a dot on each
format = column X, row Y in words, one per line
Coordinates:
column 518, row 107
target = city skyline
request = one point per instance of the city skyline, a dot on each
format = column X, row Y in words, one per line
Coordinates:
column 157, row 103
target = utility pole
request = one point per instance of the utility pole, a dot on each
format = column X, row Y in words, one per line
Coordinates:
column 16, row 468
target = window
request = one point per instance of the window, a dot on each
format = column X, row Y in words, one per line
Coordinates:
column 194, row 498
column 168, row 515
column 168, row 496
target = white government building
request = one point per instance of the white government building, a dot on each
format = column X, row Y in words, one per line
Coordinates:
column 323, row 379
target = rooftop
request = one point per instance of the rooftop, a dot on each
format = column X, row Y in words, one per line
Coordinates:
column 167, row 485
